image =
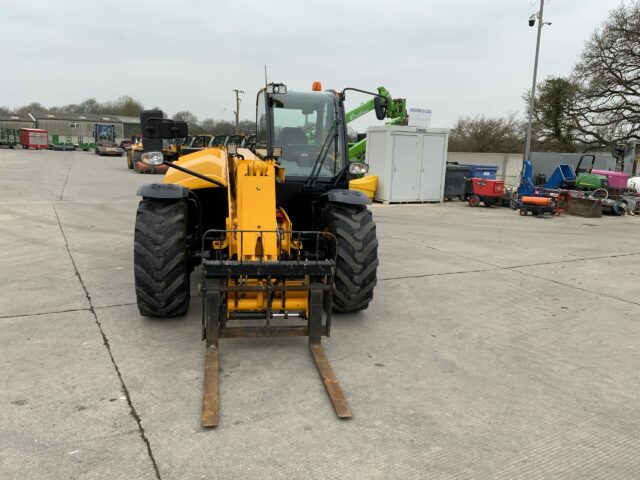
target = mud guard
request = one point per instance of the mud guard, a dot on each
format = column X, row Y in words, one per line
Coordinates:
column 346, row 197
column 162, row 191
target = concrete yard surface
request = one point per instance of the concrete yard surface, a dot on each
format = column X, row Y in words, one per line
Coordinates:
column 497, row 347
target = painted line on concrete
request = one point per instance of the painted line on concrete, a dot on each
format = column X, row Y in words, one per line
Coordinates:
column 105, row 341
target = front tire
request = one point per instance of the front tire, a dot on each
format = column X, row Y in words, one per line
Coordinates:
column 135, row 158
column 357, row 256
column 161, row 259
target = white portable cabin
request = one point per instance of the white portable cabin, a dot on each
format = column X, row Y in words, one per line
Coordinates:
column 410, row 162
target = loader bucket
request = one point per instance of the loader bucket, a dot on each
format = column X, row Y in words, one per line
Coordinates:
column 585, row 207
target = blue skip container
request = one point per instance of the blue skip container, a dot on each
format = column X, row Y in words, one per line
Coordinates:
column 482, row 171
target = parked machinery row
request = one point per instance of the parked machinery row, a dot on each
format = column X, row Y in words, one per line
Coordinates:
column 174, row 148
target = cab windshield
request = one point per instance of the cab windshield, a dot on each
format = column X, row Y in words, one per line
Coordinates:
column 304, row 125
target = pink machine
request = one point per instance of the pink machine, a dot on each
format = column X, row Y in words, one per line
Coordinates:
column 616, row 179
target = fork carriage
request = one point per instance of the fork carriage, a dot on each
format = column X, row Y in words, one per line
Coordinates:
column 268, row 293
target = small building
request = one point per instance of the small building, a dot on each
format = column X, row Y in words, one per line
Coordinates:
column 410, row 162
column 72, row 128
column 130, row 126
column 76, row 128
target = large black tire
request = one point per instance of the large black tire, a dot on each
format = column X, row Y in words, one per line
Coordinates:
column 161, row 258
column 357, row 256
column 136, row 156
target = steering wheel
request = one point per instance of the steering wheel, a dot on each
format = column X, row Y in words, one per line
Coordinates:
column 304, row 155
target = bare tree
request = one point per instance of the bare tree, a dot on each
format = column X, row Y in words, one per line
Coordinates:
column 127, row 105
column 224, row 127
column 32, row 107
column 486, row 134
column 608, row 77
column 189, row 118
column 247, row 127
column 208, row 125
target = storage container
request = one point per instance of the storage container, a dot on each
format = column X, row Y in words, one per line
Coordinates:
column 455, row 181
column 409, row 162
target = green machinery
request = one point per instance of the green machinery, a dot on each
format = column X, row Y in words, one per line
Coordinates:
column 394, row 108
column 9, row 137
column 586, row 180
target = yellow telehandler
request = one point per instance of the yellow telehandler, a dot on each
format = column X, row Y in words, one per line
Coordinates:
column 279, row 239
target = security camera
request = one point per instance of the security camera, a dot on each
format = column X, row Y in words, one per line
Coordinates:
column 532, row 20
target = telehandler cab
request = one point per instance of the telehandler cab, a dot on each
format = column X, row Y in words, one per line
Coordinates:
column 281, row 241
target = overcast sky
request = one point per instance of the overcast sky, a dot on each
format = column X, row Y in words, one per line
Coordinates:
column 457, row 57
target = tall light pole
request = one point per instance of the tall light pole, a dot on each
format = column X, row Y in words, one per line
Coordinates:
column 541, row 23
column 237, row 112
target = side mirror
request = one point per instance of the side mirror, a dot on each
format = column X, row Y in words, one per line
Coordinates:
column 174, row 129
column 380, row 107
column 164, row 128
column 148, row 130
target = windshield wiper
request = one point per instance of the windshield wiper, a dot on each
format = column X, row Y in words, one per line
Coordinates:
column 322, row 155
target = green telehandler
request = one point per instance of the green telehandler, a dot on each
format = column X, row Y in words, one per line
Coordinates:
column 393, row 108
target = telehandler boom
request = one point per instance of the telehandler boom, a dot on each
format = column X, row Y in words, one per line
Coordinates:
column 386, row 107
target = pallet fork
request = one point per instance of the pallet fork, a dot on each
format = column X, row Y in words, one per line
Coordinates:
column 214, row 317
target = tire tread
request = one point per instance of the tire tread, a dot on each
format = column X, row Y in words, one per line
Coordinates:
column 357, row 256
column 160, row 258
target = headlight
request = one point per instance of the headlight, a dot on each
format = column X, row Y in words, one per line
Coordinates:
column 358, row 168
column 152, row 158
